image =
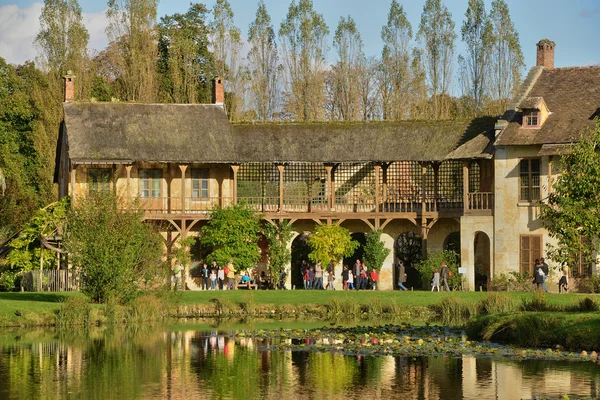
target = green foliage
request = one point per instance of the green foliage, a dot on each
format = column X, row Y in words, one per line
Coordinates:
column 331, row 242
column 279, row 254
column 375, row 250
column 182, row 248
column 590, row 285
column 434, row 260
column 74, row 310
column 114, row 249
column 29, row 120
column 232, row 232
column 496, row 303
column 513, row 281
column 571, row 214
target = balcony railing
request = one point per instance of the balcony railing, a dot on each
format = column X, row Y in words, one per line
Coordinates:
column 479, row 202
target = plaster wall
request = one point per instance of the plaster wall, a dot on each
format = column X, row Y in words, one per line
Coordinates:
column 513, row 218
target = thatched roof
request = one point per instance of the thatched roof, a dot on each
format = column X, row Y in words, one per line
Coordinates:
column 573, row 96
column 202, row 133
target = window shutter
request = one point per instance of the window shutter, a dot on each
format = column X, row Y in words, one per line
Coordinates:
column 524, row 254
column 536, row 247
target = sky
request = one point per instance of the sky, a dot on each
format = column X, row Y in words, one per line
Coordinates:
column 573, row 25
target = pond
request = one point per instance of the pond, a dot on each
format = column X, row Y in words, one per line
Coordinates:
column 211, row 361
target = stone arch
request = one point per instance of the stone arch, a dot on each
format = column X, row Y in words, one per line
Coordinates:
column 408, row 250
column 300, row 252
column 359, row 252
column 452, row 242
column 482, row 258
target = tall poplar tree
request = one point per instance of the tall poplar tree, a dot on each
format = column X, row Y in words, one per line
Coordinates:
column 303, row 34
column 477, row 35
column 132, row 30
column 263, row 65
column 506, row 59
column 395, row 62
column 62, row 44
column 186, row 66
column 227, row 43
column 436, row 31
column 344, row 76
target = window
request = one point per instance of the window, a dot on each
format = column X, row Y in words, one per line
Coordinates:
column 99, row 180
column 531, row 118
column 200, row 180
column 150, row 180
column 529, row 179
column 531, row 249
column 581, row 266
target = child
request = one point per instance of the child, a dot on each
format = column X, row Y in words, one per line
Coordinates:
column 213, row 279
column 350, row 280
column 435, row 280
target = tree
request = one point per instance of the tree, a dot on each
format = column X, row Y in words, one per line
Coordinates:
column 115, row 250
column 263, row 62
column 62, row 44
column 477, row 34
column 344, row 76
column 572, row 212
column 303, row 34
column 185, row 64
column 280, row 255
column 132, row 32
column 232, row 232
column 506, row 60
column 436, row 31
column 420, row 101
column 395, row 61
column 331, row 243
column 375, row 250
column 226, row 43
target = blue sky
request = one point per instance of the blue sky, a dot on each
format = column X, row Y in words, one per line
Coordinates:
column 574, row 25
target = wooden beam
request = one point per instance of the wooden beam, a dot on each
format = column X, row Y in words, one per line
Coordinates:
column 330, row 188
column 281, row 169
column 182, row 168
column 466, row 185
column 73, row 181
column 377, row 168
column 235, row 169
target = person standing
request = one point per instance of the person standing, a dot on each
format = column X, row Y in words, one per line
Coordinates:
column 563, row 283
column 303, row 269
column 356, row 272
column 538, row 275
column 177, row 274
column 282, row 276
column 204, row 273
column 230, row 275
column 319, row 275
column 364, row 276
column 220, row 275
column 545, row 269
column 445, row 274
column 345, row 271
column 401, row 276
column 435, row 280
column 374, row 278
column 311, row 278
column 350, row 280
column 213, row 279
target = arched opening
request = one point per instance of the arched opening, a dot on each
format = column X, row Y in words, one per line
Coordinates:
column 360, row 250
column 263, row 261
column 407, row 249
column 300, row 252
column 452, row 242
column 198, row 254
column 482, row 261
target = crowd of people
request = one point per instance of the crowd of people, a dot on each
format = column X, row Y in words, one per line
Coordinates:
column 315, row 277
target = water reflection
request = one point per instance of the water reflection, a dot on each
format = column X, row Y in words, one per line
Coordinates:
column 166, row 364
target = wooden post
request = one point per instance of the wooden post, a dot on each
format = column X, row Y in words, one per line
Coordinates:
column 235, row 169
column 281, row 168
column 377, row 168
column 183, row 168
column 423, row 188
column 329, row 168
column 128, row 184
column 436, row 184
column 73, row 182
column 332, row 191
column 465, row 185
column 550, row 174
column 40, row 284
column 384, row 193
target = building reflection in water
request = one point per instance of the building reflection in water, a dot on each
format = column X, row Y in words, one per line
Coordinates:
column 191, row 364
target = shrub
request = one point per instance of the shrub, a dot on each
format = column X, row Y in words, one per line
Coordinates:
column 495, row 303
column 434, row 260
column 590, row 285
column 147, row 308
column 74, row 311
column 375, row 251
column 537, row 302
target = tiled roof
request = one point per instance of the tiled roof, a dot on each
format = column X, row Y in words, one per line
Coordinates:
column 529, row 103
column 573, row 96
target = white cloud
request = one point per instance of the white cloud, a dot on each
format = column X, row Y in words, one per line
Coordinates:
column 18, row 27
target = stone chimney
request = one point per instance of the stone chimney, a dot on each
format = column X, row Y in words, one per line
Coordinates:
column 545, row 54
column 218, row 93
column 69, row 86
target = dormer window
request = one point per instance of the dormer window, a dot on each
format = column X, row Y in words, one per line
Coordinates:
column 531, row 118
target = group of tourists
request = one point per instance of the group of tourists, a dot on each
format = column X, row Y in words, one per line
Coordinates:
column 221, row 277
column 315, row 277
column 443, row 274
column 540, row 274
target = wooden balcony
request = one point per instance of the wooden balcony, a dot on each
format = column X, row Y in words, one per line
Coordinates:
column 319, row 207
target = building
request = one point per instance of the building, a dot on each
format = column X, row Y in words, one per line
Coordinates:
column 428, row 185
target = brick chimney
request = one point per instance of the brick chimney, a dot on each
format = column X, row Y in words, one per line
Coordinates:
column 69, row 86
column 545, row 53
column 218, row 93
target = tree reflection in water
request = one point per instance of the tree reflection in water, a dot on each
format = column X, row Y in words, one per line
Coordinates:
column 193, row 364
